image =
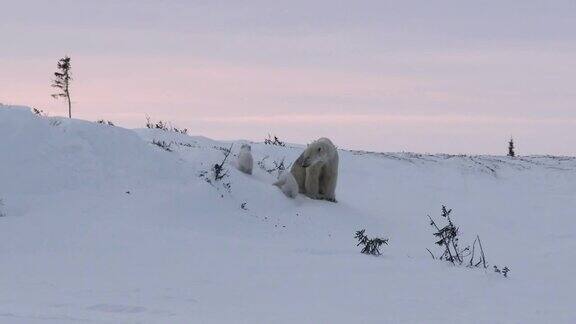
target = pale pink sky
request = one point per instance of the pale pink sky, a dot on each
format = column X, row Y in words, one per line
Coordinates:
column 448, row 77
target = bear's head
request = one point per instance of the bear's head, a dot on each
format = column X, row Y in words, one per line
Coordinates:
column 316, row 152
column 245, row 147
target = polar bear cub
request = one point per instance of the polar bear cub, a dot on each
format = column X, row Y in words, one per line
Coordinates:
column 287, row 183
column 316, row 170
column 245, row 160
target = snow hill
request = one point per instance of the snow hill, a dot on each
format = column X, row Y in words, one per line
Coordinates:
column 100, row 225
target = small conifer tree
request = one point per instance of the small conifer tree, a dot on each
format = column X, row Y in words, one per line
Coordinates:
column 511, row 152
column 369, row 246
column 62, row 80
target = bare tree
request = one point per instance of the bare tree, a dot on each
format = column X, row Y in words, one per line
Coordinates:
column 62, row 80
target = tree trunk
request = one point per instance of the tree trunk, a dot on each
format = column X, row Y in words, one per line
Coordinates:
column 69, row 105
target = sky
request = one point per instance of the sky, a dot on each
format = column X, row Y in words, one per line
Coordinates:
column 422, row 76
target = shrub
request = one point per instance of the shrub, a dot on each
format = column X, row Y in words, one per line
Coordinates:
column 164, row 126
column 447, row 238
column 38, row 112
column 504, row 271
column 511, row 152
column 278, row 166
column 105, row 122
column 181, row 131
column 273, row 141
column 369, row 246
column 162, row 144
column 219, row 171
column 158, row 125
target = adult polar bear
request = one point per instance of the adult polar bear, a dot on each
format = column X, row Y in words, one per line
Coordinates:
column 316, row 170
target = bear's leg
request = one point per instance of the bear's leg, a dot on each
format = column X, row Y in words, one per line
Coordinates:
column 312, row 182
column 299, row 174
column 329, row 185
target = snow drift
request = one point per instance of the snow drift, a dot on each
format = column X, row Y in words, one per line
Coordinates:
column 101, row 225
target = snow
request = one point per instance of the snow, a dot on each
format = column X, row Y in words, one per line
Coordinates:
column 102, row 226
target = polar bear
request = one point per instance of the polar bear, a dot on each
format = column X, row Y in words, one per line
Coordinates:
column 245, row 160
column 316, row 170
column 287, row 183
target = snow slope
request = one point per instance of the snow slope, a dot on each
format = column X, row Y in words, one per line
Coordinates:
column 102, row 226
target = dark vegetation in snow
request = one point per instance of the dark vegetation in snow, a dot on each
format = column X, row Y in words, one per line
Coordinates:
column 276, row 166
column 511, row 152
column 504, row 271
column 273, row 140
column 162, row 125
column 163, row 145
column 105, row 122
column 39, row 112
column 447, row 237
column 219, row 172
column 369, row 245
column 62, row 79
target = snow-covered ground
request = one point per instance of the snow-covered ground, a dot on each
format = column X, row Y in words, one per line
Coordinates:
column 102, row 226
